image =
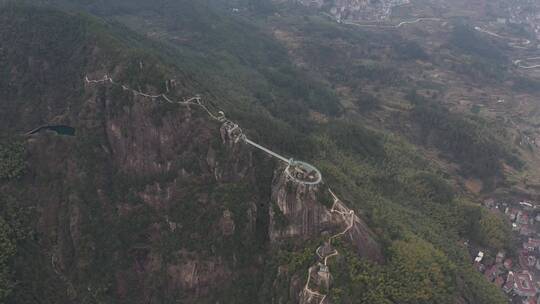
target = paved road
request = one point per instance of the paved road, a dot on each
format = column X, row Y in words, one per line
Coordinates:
column 515, row 42
column 387, row 26
column 519, row 64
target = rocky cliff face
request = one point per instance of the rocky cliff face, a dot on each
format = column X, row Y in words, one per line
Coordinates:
column 304, row 211
column 299, row 214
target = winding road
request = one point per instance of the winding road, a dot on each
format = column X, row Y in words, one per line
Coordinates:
column 526, row 42
column 383, row 25
column 515, row 42
column 519, row 64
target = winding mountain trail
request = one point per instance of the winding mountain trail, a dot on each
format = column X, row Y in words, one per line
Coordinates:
column 339, row 208
column 310, row 175
column 191, row 101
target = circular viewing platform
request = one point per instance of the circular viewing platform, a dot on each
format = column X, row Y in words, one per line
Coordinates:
column 304, row 173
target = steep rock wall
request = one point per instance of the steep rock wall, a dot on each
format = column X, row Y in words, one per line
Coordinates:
column 307, row 214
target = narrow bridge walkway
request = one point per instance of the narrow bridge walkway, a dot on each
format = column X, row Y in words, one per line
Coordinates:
column 274, row 154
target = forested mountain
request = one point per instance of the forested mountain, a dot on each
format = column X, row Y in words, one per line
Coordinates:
column 146, row 201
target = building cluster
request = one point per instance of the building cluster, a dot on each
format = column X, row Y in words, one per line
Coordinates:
column 367, row 10
column 525, row 12
column 357, row 10
column 519, row 275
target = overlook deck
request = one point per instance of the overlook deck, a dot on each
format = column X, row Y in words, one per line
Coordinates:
column 298, row 171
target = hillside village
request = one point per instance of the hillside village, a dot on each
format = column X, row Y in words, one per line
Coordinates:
column 526, row 12
column 360, row 10
column 518, row 276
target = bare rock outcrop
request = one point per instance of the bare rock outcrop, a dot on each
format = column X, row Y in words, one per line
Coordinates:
column 300, row 212
column 197, row 276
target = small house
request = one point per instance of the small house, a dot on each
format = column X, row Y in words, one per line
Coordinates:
column 523, row 284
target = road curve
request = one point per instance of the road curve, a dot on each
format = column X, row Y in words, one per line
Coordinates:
column 389, row 26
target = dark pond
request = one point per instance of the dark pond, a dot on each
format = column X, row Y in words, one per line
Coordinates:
column 60, row 130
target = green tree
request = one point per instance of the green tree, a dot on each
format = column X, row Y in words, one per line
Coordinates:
column 7, row 250
column 423, row 273
column 492, row 231
column 11, row 159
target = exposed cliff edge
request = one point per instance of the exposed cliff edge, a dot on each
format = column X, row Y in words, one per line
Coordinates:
column 301, row 213
column 303, row 207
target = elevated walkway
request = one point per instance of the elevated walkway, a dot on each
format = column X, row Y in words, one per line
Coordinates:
column 298, row 171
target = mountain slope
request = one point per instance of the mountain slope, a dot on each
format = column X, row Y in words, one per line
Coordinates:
column 150, row 203
column 115, row 217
